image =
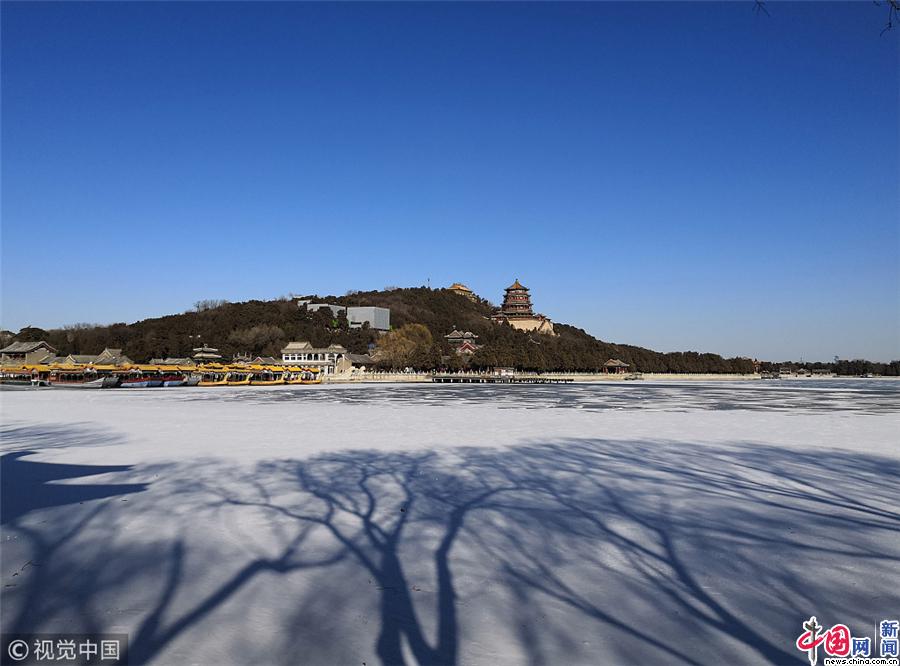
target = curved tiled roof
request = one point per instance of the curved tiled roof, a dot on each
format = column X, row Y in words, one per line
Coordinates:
column 205, row 349
column 516, row 285
column 296, row 346
column 82, row 358
column 25, row 347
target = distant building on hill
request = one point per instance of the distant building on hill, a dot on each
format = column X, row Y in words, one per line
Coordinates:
column 462, row 290
column 26, row 353
column 518, row 313
column 172, row 360
column 206, row 354
column 379, row 319
column 113, row 357
column 335, row 309
column 462, row 342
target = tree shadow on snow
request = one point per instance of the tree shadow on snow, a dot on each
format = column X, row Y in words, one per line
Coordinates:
column 671, row 552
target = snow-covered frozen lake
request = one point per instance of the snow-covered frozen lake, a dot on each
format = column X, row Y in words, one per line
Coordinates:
column 691, row 522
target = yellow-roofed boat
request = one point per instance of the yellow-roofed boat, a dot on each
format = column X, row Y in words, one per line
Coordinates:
column 293, row 375
column 79, row 376
column 266, row 375
column 213, row 375
column 20, row 377
column 311, row 376
column 239, row 376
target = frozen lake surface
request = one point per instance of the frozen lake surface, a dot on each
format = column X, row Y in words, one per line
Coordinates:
column 633, row 523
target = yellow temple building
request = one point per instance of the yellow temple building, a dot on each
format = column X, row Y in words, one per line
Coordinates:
column 462, row 290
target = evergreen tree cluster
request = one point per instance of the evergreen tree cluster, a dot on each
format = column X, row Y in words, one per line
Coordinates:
column 257, row 328
column 420, row 318
column 854, row 368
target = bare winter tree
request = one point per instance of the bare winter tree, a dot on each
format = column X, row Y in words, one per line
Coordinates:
column 893, row 11
column 209, row 304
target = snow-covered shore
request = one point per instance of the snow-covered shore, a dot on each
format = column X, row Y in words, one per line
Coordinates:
column 695, row 523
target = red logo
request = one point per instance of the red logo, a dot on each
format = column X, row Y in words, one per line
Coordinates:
column 837, row 641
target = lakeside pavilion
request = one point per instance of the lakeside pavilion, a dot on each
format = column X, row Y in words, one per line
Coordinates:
column 615, row 367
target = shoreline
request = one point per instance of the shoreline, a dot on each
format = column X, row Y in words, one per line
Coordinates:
column 579, row 378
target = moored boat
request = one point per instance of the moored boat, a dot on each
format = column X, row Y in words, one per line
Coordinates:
column 135, row 382
column 173, row 380
column 238, row 377
column 79, row 377
column 211, row 374
column 172, row 375
column 20, row 377
column 267, row 376
column 297, row 375
column 137, row 377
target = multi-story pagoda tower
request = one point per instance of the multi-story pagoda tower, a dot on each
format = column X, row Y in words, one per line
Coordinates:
column 517, row 301
column 518, row 313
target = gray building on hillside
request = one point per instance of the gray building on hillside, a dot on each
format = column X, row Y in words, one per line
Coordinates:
column 335, row 309
column 377, row 318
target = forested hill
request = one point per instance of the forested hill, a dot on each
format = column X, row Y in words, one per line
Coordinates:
column 264, row 327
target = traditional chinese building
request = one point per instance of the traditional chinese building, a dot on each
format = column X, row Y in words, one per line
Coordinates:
column 462, row 342
column 204, row 354
column 517, row 311
column 615, row 367
column 26, row 353
column 329, row 360
column 106, row 357
column 462, row 290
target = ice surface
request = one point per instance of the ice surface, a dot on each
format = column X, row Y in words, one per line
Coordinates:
column 642, row 523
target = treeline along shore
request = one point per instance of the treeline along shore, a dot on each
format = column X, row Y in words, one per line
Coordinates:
column 421, row 318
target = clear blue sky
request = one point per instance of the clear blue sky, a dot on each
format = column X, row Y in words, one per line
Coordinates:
column 679, row 176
